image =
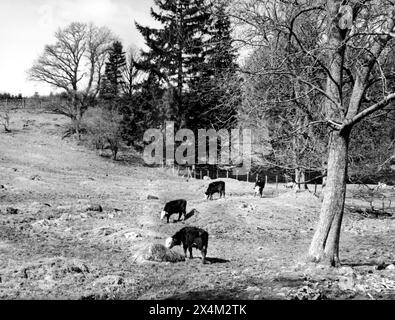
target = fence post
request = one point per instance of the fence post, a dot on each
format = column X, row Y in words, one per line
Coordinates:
column 248, row 177
column 217, row 174
column 237, row 174
column 208, row 173
column 227, row 174
column 265, row 180
column 200, row 175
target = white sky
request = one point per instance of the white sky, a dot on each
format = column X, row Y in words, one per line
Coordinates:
column 26, row 26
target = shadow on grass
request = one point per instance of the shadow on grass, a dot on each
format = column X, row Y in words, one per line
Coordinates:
column 216, row 260
column 372, row 263
column 207, row 295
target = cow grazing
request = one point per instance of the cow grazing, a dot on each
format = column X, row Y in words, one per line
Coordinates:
column 190, row 237
column 214, row 187
column 175, row 206
column 381, row 185
column 290, row 185
column 259, row 185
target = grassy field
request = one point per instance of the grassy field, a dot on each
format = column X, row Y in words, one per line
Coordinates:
column 53, row 248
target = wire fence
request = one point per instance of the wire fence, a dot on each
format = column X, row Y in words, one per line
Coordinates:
column 271, row 176
column 28, row 103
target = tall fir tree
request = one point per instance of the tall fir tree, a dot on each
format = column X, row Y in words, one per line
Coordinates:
column 212, row 99
column 113, row 79
column 176, row 51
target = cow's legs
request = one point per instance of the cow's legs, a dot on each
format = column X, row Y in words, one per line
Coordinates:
column 204, row 252
column 185, row 251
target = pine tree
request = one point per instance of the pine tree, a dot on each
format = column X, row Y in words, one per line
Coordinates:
column 211, row 107
column 112, row 82
column 176, row 51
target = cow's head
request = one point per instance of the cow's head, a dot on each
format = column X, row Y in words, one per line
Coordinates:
column 169, row 243
column 163, row 215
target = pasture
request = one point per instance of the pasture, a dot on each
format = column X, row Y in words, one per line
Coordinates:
column 55, row 247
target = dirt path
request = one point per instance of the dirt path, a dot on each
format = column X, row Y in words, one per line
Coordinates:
column 56, row 248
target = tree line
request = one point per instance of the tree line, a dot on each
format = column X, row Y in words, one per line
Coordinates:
column 179, row 77
column 9, row 96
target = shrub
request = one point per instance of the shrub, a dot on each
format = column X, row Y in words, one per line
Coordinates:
column 104, row 129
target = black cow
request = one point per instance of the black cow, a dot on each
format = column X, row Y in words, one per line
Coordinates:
column 259, row 185
column 175, row 206
column 214, row 187
column 190, row 237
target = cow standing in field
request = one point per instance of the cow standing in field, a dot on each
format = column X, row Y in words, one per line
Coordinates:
column 215, row 187
column 190, row 237
column 175, row 206
column 259, row 185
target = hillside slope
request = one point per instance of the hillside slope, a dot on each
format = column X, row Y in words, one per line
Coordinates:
column 56, row 247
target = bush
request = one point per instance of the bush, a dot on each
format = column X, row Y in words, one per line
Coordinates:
column 104, row 129
column 5, row 121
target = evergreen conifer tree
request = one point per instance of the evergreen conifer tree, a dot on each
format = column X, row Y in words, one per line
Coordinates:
column 176, row 51
column 210, row 107
column 112, row 82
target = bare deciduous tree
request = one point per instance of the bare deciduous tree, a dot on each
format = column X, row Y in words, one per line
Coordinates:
column 131, row 75
column 74, row 64
column 353, row 45
column 104, row 129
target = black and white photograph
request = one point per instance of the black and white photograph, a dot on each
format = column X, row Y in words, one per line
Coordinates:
column 197, row 150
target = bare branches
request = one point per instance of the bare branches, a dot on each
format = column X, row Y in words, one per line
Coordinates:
column 74, row 63
column 63, row 64
column 368, row 111
column 131, row 74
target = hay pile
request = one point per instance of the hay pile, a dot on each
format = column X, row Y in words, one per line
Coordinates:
column 157, row 253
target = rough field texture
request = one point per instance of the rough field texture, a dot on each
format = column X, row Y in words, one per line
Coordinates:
column 86, row 228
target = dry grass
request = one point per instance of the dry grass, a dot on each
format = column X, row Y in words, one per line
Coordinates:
column 256, row 246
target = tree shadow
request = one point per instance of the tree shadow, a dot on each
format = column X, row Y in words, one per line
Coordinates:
column 373, row 263
column 216, row 260
column 230, row 294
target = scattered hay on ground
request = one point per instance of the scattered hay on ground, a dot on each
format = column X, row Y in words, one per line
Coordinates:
column 157, row 253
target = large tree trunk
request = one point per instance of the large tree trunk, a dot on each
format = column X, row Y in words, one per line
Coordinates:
column 324, row 247
column 76, row 125
column 300, row 178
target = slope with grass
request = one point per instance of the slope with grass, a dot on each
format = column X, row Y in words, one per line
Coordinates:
column 59, row 244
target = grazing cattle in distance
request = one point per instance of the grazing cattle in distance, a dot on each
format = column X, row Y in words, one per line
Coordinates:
column 290, row 185
column 215, row 187
column 259, row 185
column 381, row 185
column 190, row 237
column 175, row 206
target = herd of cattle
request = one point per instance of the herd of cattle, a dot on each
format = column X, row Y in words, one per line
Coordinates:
column 193, row 237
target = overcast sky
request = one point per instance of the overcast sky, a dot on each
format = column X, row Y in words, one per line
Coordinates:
column 26, row 26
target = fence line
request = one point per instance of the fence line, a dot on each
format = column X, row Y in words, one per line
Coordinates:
column 191, row 172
